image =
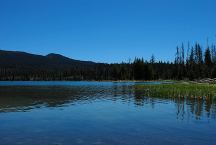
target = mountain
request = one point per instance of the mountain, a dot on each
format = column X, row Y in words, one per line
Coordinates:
column 17, row 59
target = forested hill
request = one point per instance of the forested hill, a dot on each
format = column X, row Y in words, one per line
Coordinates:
column 193, row 63
column 15, row 65
column 23, row 60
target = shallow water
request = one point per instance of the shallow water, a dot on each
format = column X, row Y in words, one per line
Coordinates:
column 100, row 113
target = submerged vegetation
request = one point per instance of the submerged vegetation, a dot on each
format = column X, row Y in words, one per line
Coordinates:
column 181, row 90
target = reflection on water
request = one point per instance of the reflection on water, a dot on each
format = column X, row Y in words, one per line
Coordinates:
column 19, row 98
column 23, row 98
column 185, row 107
column 102, row 113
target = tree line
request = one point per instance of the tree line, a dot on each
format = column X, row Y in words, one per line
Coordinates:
column 191, row 63
column 199, row 63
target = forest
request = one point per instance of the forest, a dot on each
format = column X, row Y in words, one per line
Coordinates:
column 191, row 63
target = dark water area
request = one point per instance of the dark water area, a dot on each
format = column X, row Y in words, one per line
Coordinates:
column 100, row 113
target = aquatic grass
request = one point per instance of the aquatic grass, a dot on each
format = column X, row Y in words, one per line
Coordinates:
column 191, row 90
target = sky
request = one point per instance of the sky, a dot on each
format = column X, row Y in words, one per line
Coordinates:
column 106, row 30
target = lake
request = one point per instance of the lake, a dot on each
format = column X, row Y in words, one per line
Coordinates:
column 100, row 113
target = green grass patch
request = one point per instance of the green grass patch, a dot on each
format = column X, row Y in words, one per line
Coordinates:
column 178, row 90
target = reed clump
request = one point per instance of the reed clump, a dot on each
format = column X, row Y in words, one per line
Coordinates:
column 189, row 90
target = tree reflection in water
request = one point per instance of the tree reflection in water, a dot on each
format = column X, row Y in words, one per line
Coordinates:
column 25, row 98
column 186, row 106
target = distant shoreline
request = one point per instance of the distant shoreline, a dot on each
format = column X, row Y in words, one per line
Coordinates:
column 121, row 81
column 89, row 80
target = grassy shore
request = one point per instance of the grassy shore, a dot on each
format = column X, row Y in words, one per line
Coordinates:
column 178, row 89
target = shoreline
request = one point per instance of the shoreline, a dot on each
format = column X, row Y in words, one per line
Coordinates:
column 88, row 81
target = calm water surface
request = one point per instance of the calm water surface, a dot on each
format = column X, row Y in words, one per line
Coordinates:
column 100, row 113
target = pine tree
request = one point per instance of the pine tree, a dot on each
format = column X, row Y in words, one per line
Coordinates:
column 207, row 56
column 191, row 70
column 152, row 60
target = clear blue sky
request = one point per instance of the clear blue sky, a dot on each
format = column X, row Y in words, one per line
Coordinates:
column 105, row 30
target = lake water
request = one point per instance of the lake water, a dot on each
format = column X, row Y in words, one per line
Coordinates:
column 100, row 113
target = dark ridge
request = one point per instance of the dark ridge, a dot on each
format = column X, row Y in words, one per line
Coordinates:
column 17, row 59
